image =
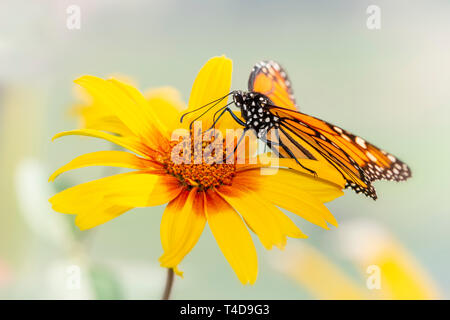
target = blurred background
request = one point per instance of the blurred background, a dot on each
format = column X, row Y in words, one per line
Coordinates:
column 389, row 85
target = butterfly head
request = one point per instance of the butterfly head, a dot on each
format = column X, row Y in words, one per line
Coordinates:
column 255, row 111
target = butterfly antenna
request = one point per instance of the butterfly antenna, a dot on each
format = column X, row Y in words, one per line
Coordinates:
column 205, row 112
column 214, row 101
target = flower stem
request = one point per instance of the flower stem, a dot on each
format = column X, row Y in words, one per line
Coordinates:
column 169, row 284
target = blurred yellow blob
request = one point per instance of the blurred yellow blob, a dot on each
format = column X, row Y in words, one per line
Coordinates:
column 387, row 270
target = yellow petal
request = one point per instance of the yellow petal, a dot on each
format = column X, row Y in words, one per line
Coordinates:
column 165, row 188
column 325, row 172
column 322, row 189
column 301, row 194
column 126, row 143
column 95, row 115
column 316, row 273
column 227, row 122
column 384, row 261
column 104, row 158
column 212, row 82
column 182, row 224
column 168, row 106
column 178, row 272
column 300, row 203
column 268, row 222
column 126, row 103
column 131, row 189
column 232, row 237
column 92, row 119
column 99, row 215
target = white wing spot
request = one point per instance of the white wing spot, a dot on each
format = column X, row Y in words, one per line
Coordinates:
column 360, row 141
column 371, row 156
column 337, row 129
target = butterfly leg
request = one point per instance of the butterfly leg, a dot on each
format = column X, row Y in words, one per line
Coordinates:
column 289, row 152
column 237, row 144
column 235, row 117
column 222, row 111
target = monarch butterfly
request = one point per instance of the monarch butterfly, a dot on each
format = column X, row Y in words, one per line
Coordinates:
column 269, row 108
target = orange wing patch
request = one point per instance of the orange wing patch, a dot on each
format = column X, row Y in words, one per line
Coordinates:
column 359, row 161
column 270, row 79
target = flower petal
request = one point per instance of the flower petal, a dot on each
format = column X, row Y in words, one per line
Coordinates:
column 391, row 266
column 99, row 215
column 268, row 222
column 182, row 224
column 131, row 189
column 95, row 115
column 299, row 193
column 104, row 158
column 321, row 189
column 315, row 273
column 232, row 237
column 323, row 170
column 212, row 82
column 167, row 104
column 154, row 191
column 227, row 122
column 128, row 104
column 127, row 143
column 91, row 118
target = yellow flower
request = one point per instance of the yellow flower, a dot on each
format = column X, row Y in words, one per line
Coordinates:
column 387, row 269
column 372, row 248
column 229, row 197
column 317, row 274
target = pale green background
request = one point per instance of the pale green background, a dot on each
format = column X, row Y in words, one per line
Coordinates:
column 390, row 86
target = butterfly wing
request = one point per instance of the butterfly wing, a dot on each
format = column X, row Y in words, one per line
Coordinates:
column 303, row 136
column 359, row 161
column 270, row 79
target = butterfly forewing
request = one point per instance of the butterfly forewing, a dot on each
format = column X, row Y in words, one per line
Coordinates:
column 270, row 79
column 278, row 140
column 352, row 154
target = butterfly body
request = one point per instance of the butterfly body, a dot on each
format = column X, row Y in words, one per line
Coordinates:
column 254, row 111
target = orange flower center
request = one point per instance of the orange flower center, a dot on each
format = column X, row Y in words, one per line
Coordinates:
column 199, row 164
